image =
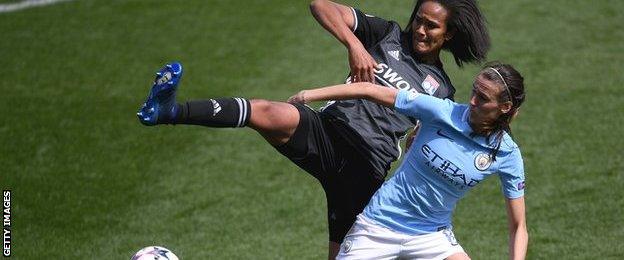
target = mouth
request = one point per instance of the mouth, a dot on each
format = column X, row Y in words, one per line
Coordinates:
column 420, row 45
column 418, row 39
column 473, row 112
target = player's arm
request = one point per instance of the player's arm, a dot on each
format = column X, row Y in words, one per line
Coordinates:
column 409, row 103
column 339, row 20
column 518, row 235
column 362, row 90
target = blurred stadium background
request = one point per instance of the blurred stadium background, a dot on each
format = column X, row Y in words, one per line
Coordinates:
column 89, row 182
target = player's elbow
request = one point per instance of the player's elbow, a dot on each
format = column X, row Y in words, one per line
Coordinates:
column 371, row 92
column 519, row 228
column 523, row 230
column 363, row 90
column 518, row 223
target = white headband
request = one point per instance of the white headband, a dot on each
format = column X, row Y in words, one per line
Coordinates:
column 504, row 82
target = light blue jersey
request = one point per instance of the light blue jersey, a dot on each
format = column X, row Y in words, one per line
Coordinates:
column 443, row 163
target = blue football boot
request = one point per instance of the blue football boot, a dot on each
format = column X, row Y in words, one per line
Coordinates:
column 160, row 106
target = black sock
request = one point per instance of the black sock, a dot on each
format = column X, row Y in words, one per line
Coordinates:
column 221, row 112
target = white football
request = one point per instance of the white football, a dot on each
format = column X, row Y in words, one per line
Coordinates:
column 154, row 253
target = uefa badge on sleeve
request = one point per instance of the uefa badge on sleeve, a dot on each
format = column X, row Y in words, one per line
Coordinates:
column 521, row 185
column 483, row 161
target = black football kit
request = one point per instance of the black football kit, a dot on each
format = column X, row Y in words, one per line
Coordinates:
column 349, row 145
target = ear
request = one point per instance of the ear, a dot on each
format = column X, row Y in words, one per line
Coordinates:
column 506, row 107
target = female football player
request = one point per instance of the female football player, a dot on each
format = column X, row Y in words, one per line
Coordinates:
column 458, row 146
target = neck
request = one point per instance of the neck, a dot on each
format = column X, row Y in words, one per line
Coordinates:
column 480, row 128
column 431, row 59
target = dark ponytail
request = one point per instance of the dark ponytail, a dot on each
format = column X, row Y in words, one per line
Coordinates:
column 471, row 41
column 513, row 90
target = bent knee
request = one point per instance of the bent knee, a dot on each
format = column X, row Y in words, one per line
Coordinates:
column 276, row 121
column 260, row 106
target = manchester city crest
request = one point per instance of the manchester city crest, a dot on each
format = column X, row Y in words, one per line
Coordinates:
column 483, row 161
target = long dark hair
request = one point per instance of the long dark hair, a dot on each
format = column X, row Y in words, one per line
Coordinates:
column 471, row 40
column 513, row 90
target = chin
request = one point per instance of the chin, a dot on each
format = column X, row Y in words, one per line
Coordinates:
column 421, row 51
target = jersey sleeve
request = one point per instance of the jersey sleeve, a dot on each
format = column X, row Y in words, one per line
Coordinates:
column 511, row 175
column 421, row 106
column 369, row 29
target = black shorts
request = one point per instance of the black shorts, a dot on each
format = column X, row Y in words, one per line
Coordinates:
column 349, row 180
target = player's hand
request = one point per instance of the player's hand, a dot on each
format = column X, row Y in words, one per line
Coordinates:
column 297, row 98
column 362, row 64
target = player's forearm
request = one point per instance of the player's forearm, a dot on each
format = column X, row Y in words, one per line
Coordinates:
column 330, row 16
column 518, row 242
column 361, row 90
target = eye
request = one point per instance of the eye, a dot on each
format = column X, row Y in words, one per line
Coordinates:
column 431, row 25
column 479, row 95
column 418, row 20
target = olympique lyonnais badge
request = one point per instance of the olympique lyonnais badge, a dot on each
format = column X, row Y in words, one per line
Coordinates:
column 482, row 161
column 430, row 85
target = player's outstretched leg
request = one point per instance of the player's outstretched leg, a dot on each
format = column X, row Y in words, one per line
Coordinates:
column 160, row 106
column 275, row 121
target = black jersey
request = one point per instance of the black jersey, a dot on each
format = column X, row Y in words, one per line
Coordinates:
column 375, row 130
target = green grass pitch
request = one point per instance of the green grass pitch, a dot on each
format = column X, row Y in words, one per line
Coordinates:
column 89, row 182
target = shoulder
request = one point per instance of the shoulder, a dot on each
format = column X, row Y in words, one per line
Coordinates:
column 362, row 17
column 511, row 156
column 376, row 26
column 425, row 107
column 445, row 78
column 508, row 144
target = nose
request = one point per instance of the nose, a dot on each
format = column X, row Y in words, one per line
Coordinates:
column 473, row 101
column 420, row 29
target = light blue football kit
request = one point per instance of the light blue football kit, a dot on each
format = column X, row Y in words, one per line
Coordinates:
column 443, row 163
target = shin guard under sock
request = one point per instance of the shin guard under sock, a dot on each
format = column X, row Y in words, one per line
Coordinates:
column 222, row 112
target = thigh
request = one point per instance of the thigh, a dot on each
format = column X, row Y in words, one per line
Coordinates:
column 438, row 245
column 275, row 121
column 310, row 146
column 367, row 240
column 348, row 192
column 458, row 256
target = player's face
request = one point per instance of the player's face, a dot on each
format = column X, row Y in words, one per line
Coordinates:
column 429, row 28
column 485, row 106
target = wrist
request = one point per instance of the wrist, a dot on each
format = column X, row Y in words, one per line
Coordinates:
column 303, row 97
